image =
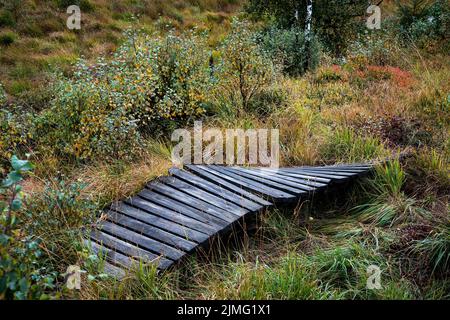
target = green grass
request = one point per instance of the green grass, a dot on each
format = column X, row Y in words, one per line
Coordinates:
column 345, row 145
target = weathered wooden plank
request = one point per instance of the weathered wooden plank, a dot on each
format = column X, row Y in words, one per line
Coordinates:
column 333, row 177
column 337, row 169
column 129, row 249
column 112, row 256
column 288, row 179
column 267, row 182
column 284, row 173
column 164, row 224
column 302, row 185
column 251, row 185
column 205, row 196
column 152, row 232
column 114, row 271
column 142, row 241
column 192, row 201
column 331, row 172
column 183, row 209
column 227, row 185
column 215, row 189
column 172, row 215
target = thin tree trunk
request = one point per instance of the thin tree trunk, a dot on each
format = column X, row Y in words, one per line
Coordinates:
column 308, row 33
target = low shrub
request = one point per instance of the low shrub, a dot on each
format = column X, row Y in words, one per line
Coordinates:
column 329, row 74
column 22, row 275
column 6, row 19
column 104, row 110
column 16, row 128
column 424, row 21
column 244, row 70
column 57, row 215
column 7, row 38
column 288, row 47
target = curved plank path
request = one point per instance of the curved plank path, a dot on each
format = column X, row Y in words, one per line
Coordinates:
column 174, row 216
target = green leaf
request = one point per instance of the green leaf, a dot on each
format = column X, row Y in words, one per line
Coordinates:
column 16, row 204
column 22, row 165
column 12, row 178
column 23, row 284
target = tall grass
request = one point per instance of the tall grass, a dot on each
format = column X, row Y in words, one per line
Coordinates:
column 345, row 145
column 387, row 204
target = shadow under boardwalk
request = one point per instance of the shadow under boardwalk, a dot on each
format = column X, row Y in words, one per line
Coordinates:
column 176, row 215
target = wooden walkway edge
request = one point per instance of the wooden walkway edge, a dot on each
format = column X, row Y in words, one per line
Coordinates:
column 176, row 215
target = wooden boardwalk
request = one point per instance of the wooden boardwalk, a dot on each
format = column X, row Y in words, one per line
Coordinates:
column 174, row 216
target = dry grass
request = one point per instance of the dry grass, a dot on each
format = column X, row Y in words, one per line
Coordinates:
column 111, row 182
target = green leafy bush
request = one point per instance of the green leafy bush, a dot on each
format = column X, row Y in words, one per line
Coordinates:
column 21, row 277
column 288, row 47
column 244, row 70
column 6, row 19
column 16, row 128
column 105, row 108
column 421, row 21
column 7, row 38
column 57, row 215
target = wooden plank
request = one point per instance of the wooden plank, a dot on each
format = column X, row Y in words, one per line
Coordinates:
column 205, row 196
column 300, row 184
column 164, row 224
column 110, row 255
column 113, row 271
column 171, row 215
column 142, row 241
column 294, row 190
column 333, row 177
column 191, row 201
column 338, row 169
column 284, row 178
column 128, row 249
column 250, row 184
column 183, row 209
column 151, row 232
column 227, row 185
column 215, row 189
column 331, row 172
column 295, row 175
